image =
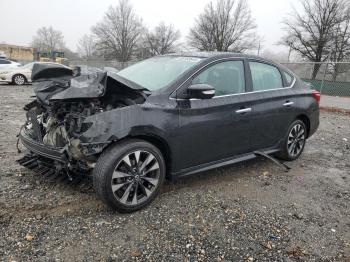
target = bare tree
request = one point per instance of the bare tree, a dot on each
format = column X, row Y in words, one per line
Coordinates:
column 48, row 39
column 119, row 32
column 86, row 46
column 309, row 33
column 340, row 45
column 277, row 56
column 225, row 26
column 162, row 39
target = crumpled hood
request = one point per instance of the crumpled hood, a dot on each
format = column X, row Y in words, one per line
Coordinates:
column 54, row 83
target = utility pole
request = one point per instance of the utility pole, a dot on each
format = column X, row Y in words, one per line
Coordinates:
column 289, row 52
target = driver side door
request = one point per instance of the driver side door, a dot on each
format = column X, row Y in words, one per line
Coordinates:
column 218, row 128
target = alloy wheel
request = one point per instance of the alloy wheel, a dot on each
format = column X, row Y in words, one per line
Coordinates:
column 135, row 177
column 296, row 140
column 19, row 80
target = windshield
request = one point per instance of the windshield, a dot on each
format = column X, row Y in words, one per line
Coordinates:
column 157, row 72
column 29, row 66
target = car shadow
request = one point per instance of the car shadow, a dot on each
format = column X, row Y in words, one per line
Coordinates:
column 230, row 173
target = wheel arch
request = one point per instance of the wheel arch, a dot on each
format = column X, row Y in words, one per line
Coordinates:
column 158, row 142
column 162, row 145
column 306, row 121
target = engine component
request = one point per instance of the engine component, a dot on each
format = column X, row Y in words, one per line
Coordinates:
column 56, row 136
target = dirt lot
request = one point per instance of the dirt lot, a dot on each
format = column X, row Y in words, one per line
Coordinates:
column 252, row 211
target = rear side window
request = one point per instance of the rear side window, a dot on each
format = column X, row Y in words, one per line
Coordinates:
column 226, row 77
column 265, row 77
column 3, row 62
column 289, row 78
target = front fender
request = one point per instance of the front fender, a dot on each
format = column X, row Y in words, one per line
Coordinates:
column 121, row 122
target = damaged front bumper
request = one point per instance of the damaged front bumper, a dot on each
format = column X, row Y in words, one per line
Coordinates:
column 72, row 153
column 53, row 153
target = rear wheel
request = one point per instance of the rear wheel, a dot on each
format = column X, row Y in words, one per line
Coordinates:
column 294, row 142
column 129, row 175
column 19, row 79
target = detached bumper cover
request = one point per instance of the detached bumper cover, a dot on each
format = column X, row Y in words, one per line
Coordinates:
column 38, row 148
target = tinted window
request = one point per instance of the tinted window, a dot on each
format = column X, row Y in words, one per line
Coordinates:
column 289, row 78
column 226, row 77
column 265, row 77
column 4, row 62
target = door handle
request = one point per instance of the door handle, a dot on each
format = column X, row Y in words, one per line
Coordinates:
column 288, row 103
column 244, row 110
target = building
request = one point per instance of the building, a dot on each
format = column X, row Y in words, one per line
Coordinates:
column 19, row 53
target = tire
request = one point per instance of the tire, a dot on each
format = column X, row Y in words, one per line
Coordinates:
column 291, row 141
column 19, row 79
column 126, row 166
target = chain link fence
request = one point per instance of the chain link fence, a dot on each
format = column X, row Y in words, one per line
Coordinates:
column 101, row 63
column 329, row 78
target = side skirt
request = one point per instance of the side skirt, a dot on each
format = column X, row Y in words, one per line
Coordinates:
column 217, row 164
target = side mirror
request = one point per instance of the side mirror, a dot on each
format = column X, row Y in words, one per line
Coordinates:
column 201, row 91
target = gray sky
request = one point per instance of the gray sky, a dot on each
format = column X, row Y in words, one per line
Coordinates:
column 20, row 19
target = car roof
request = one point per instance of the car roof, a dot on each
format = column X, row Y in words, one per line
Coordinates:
column 9, row 60
column 217, row 55
column 210, row 54
column 37, row 62
column 51, row 63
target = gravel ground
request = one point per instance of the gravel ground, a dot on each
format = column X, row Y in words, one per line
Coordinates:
column 253, row 211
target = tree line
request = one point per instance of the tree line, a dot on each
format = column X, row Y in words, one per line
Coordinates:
column 318, row 32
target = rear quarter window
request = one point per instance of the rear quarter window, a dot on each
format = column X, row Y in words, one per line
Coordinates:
column 288, row 77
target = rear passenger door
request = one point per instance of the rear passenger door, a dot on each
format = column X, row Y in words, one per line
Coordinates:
column 271, row 100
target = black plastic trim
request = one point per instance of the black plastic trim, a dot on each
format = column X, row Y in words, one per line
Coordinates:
column 217, row 164
column 41, row 149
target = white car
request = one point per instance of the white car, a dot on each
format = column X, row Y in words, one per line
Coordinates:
column 20, row 75
column 5, row 63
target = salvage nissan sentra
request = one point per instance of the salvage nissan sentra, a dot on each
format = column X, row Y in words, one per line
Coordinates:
column 163, row 118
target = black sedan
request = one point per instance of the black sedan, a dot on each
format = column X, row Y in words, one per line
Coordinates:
column 163, row 118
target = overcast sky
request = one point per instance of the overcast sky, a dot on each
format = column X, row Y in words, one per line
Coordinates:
column 19, row 20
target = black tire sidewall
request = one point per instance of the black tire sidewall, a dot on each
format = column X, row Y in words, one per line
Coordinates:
column 106, row 165
column 285, row 149
column 14, row 77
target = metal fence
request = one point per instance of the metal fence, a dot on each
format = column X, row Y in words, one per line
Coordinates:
column 329, row 78
column 101, row 63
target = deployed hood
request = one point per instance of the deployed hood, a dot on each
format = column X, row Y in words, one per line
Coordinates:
column 46, row 71
column 54, row 83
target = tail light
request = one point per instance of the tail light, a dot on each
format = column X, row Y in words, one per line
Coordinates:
column 316, row 95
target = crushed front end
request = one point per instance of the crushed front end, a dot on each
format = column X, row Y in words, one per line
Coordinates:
column 55, row 120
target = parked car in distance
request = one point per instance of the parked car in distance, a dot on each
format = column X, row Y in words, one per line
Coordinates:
column 6, row 63
column 21, row 75
column 164, row 118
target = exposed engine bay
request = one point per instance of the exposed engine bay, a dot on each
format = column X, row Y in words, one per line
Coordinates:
column 61, row 121
column 55, row 119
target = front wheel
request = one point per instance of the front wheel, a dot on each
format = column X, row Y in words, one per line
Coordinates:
column 294, row 142
column 129, row 175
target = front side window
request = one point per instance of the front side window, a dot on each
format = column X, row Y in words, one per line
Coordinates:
column 226, row 77
column 265, row 77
